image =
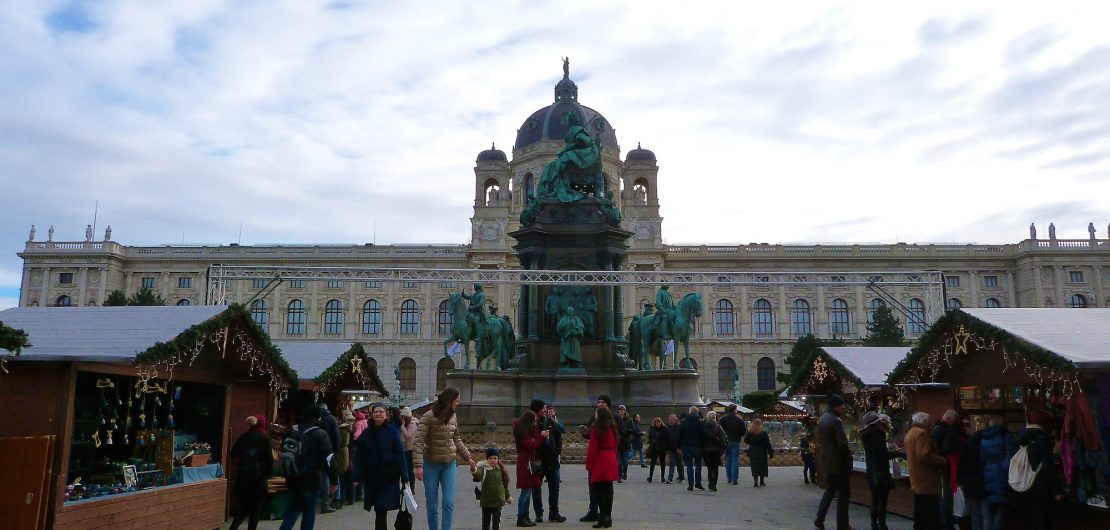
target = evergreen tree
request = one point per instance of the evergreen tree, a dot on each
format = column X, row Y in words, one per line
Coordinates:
column 804, row 349
column 145, row 297
column 116, row 298
column 885, row 329
column 13, row 340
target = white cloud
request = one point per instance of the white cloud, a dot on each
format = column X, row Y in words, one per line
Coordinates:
column 859, row 122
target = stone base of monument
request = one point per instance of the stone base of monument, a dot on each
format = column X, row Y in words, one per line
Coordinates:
column 501, row 396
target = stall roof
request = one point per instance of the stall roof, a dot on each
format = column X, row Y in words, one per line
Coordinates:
column 311, row 357
column 727, row 404
column 1081, row 336
column 870, row 364
column 101, row 334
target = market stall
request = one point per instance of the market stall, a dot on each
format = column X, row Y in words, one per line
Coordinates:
column 143, row 403
column 1005, row 362
column 331, row 372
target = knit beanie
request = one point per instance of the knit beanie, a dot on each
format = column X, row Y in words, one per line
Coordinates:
column 492, row 451
column 536, row 406
column 835, row 401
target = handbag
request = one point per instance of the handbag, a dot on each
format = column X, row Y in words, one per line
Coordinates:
column 535, row 467
column 404, row 519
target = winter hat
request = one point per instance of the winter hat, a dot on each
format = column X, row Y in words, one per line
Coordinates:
column 492, row 451
column 608, row 400
column 406, row 412
column 835, row 401
column 360, row 416
column 871, row 418
column 536, row 406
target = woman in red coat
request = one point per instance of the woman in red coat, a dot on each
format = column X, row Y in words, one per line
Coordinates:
column 528, row 440
column 601, row 464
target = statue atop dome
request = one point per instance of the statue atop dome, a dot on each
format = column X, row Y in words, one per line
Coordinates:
column 566, row 67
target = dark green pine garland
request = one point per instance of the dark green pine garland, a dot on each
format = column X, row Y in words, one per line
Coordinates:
column 1011, row 343
column 840, row 369
column 341, row 365
column 234, row 314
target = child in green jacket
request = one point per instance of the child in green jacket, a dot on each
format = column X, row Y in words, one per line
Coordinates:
column 492, row 490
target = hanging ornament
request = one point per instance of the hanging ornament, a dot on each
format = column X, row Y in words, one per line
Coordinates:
column 142, row 404
column 177, row 393
column 125, row 439
column 96, row 438
column 157, row 402
column 154, row 421
column 169, row 422
column 109, row 442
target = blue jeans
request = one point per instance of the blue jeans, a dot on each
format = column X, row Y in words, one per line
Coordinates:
column 437, row 475
column 524, row 499
column 692, row 457
column 732, row 462
column 994, row 516
column 307, row 501
column 673, row 462
column 624, row 457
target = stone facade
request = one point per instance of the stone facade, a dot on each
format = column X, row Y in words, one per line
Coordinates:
column 1029, row 273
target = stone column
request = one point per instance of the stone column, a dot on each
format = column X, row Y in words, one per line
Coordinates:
column 351, row 322
column 82, row 286
column 312, row 314
column 1012, row 289
column 1097, row 271
column 973, row 281
column 743, row 316
column 862, row 306
column 25, row 287
column 430, row 314
column 165, row 287
column 821, row 318
column 389, row 313
column 1058, row 280
column 1038, row 288
column 783, row 315
column 45, row 286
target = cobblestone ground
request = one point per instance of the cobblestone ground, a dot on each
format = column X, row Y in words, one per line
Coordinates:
column 786, row 503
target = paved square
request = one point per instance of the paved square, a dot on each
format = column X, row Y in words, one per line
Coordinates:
column 786, row 503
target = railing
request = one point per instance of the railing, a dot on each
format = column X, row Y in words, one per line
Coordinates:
column 842, row 249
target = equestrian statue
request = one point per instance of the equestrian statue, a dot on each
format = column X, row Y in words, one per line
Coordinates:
column 649, row 332
column 493, row 335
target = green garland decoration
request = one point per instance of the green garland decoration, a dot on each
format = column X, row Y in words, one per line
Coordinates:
column 234, row 314
column 342, row 364
column 13, row 340
column 842, row 371
column 1010, row 342
column 760, row 399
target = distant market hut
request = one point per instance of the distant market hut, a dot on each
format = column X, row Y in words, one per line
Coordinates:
column 332, row 372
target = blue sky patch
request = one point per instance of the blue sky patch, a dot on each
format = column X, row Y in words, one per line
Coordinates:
column 71, row 18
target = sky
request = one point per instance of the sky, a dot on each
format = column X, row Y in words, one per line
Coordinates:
column 352, row 122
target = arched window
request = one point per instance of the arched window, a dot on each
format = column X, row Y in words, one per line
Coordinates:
column 410, row 318
column 184, row 302
column 688, row 363
column 529, row 186
column 873, row 306
column 917, row 310
column 765, row 374
column 726, row 369
column 372, row 318
column 838, row 318
column 801, row 322
column 408, row 375
column 953, row 304
column 64, row 301
column 444, row 365
column 445, row 319
column 763, row 320
column 294, row 318
column 259, row 314
column 1078, row 300
column 493, row 192
column 333, row 318
column 724, row 321
column 992, row 302
column 640, row 192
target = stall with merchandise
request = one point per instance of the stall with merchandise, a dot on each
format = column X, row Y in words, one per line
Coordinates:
column 1006, row 362
column 144, row 404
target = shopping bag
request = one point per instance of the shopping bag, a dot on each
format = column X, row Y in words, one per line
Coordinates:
column 960, row 507
column 404, row 520
column 410, row 500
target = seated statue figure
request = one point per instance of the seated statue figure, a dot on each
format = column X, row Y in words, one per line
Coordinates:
column 581, row 152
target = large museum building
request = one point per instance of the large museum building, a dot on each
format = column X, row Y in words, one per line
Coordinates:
column 790, row 290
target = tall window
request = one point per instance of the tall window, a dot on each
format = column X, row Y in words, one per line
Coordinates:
column 1075, row 277
column 372, row 318
column 335, row 284
column 444, row 365
column 917, row 310
column 724, row 321
column 259, row 283
column 444, row 319
column 296, row 284
column 185, row 283
column 801, row 322
column 990, row 281
column 765, row 374
column 184, row 302
column 763, row 320
column 873, row 306
column 993, row 302
column 953, row 304
column 258, row 313
column 951, row 281
column 373, row 284
column 65, row 277
column 725, row 372
column 838, row 318
column 408, row 375
column 410, row 317
column 148, row 282
column 1078, row 300
column 294, row 318
column 333, row 318
column 64, row 301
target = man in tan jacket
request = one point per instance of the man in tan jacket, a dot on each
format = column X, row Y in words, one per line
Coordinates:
column 926, row 465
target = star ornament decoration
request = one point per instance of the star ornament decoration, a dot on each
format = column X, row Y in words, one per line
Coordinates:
column 962, row 336
column 356, row 364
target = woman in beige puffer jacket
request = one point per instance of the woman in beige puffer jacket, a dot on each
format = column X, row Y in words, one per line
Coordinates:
column 434, row 457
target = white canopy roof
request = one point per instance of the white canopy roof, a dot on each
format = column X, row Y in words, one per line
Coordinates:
column 311, row 357
column 1081, row 336
column 870, row 364
column 102, row 334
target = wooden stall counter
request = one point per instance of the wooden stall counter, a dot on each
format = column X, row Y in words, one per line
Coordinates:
column 900, row 501
column 198, row 505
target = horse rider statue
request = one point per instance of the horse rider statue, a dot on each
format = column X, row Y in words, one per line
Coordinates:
column 664, row 311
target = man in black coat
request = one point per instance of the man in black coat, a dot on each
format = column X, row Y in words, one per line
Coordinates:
column 691, row 435
column 550, row 451
column 735, row 429
column 305, row 492
column 330, row 426
column 835, row 456
column 674, row 450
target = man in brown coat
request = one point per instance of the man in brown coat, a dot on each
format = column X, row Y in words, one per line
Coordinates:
column 926, row 464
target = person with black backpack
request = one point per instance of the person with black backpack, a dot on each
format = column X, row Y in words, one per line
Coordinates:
column 255, row 463
column 305, row 452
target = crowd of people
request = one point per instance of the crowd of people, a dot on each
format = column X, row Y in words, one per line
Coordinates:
column 960, row 479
